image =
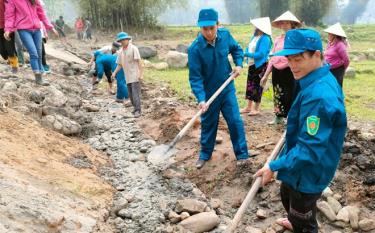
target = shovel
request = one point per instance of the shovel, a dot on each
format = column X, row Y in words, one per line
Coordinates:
column 160, row 154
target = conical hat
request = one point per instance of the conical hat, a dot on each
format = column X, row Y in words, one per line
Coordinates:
column 336, row 29
column 287, row 16
column 263, row 24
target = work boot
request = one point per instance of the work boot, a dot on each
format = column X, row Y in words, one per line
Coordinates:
column 39, row 80
column 46, row 69
column 200, row 163
column 277, row 120
column 137, row 114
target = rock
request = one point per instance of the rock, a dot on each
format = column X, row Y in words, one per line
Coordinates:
column 261, row 214
column 119, row 205
column 270, row 230
column 147, row 51
column 326, row 209
column 184, row 215
column 363, row 162
column 36, row 96
column 215, row 203
column 190, row 205
column 62, row 124
column 335, row 205
column 202, row 222
column 207, row 209
column 182, row 48
column 350, row 72
column 55, row 97
column 160, row 66
column 337, row 196
column 354, row 217
column 327, row 192
column 250, row 229
column 124, row 213
column 129, row 197
column 367, row 224
column 340, row 224
column 277, row 228
column 90, row 107
column 176, row 59
column 343, row 214
column 147, row 63
column 9, row 86
column 174, row 217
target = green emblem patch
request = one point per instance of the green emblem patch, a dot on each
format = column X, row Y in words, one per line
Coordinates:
column 313, row 125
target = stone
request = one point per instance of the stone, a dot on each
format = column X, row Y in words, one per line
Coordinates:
column 327, row 192
column 339, row 224
column 261, row 214
column 124, row 213
column 90, row 107
column 270, row 230
column 119, row 205
column 55, row 97
column 337, row 196
column 201, row 222
column 160, row 66
column 174, row 217
column 184, row 215
column 350, row 72
column 36, row 96
column 250, row 229
column 182, row 48
column 177, row 59
column 147, row 51
column 277, row 228
column 190, row 205
column 343, row 214
column 9, row 86
column 62, row 124
column 215, row 203
column 326, row 209
column 129, row 197
column 367, row 224
column 354, row 217
column 219, row 140
column 335, row 205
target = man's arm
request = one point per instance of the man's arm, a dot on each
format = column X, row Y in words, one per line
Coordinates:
column 195, row 75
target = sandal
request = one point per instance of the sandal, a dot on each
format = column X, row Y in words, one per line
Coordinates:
column 285, row 223
column 245, row 110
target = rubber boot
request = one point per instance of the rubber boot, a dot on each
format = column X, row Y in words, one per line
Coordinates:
column 39, row 80
column 276, row 121
column 13, row 62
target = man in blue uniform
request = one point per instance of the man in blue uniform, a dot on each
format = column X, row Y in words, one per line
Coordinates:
column 106, row 64
column 315, row 132
column 209, row 68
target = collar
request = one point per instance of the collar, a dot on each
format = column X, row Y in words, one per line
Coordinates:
column 313, row 76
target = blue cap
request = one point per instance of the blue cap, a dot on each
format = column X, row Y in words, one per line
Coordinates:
column 123, row 36
column 208, row 17
column 300, row 40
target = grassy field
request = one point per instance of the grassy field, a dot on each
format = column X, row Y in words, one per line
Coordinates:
column 359, row 92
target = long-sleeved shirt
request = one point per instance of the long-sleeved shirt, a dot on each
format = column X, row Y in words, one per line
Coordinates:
column 315, row 134
column 209, row 66
column 262, row 50
column 278, row 62
column 336, row 54
column 23, row 15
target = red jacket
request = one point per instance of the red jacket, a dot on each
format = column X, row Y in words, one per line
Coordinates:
column 21, row 14
column 79, row 25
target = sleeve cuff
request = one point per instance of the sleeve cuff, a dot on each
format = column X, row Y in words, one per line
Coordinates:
column 201, row 98
column 276, row 164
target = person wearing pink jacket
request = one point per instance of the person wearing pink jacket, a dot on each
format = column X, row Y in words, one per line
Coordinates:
column 26, row 16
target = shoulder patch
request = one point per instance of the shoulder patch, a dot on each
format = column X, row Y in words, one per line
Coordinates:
column 312, row 125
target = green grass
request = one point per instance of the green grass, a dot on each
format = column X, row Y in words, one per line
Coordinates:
column 359, row 92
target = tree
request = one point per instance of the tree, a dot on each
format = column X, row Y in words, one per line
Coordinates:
column 273, row 8
column 311, row 11
column 240, row 11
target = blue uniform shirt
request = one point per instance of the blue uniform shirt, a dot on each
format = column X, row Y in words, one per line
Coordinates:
column 209, row 66
column 315, row 134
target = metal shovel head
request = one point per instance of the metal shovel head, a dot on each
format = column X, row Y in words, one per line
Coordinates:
column 160, row 154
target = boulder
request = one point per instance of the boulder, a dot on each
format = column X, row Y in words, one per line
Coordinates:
column 367, row 224
column 335, row 205
column 147, row 51
column 343, row 214
column 354, row 217
column 174, row 217
column 160, row 66
column 191, row 206
column 350, row 72
column 62, row 124
column 176, row 59
column 202, row 222
column 55, row 97
column 9, row 86
column 36, row 96
column 326, row 209
column 181, row 48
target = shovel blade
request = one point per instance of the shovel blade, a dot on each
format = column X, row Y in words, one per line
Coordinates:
column 160, row 154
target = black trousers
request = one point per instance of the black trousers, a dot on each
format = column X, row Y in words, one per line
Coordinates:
column 7, row 48
column 339, row 73
column 301, row 209
column 44, row 62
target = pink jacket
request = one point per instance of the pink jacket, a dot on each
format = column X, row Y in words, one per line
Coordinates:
column 21, row 14
column 279, row 63
column 336, row 54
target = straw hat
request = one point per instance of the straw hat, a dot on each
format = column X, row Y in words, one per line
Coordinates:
column 287, row 16
column 263, row 24
column 337, row 30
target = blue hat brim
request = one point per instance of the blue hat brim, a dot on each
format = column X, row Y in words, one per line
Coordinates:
column 124, row 38
column 287, row 52
column 206, row 23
